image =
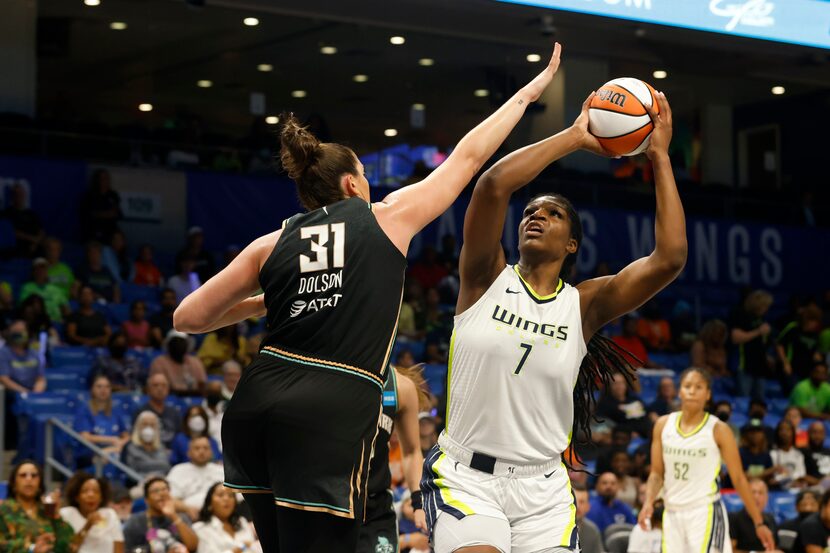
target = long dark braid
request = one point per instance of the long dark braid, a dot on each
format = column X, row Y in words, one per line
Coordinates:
column 603, row 360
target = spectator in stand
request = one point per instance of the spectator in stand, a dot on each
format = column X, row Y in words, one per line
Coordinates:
column 438, row 327
column 86, row 326
column 653, row 328
column 606, row 509
column 627, row 486
column 191, row 478
column 754, row 451
column 145, row 270
column 231, row 373
column 410, row 538
column 812, row 395
column 100, row 422
column 404, row 359
column 741, row 527
column 195, row 425
column 220, row 527
column 625, row 408
column 683, row 326
column 57, row 303
column 806, row 503
column 814, row 531
column 6, row 305
column 162, row 322
column 123, row 370
column 100, row 208
column 709, row 350
column 666, row 401
column 145, row 453
column 26, row 523
column 60, row 274
column 137, row 328
column 203, row 262
column 160, row 528
column 793, row 415
column 97, row 527
column 428, row 271
column 797, row 344
column 222, row 345
column 816, row 456
column 20, row 369
column 619, row 440
column 427, row 431
column 98, row 277
column 158, row 390
column 723, row 410
column 184, row 371
column 214, row 406
column 32, row 311
column 648, row 541
column 28, row 230
column 185, row 281
column 758, row 410
column 631, row 342
column 115, row 258
column 590, row 538
column 750, row 334
column 790, row 470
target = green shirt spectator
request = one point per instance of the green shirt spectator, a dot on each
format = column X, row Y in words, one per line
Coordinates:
column 812, row 395
column 53, row 296
column 59, row 272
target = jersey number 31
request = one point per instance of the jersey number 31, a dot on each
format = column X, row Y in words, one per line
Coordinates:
column 319, row 237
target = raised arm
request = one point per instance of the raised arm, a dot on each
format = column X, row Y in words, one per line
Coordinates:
column 655, row 478
column 729, row 452
column 482, row 257
column 606, row 298
column 403, row 213
column 226, row 298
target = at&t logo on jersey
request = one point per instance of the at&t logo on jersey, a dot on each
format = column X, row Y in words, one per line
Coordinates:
column 300, row 306
column 297, row 307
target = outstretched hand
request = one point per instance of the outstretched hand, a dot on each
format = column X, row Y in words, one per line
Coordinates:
column 535, row 87
column 644, row 518
column 587, row 141
column 765, row 535
column 420, row 519
column 661, row 135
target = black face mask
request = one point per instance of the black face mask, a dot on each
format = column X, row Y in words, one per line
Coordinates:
column 213, row 400
column 118, row 351
column 723, row 415
column 177, row 349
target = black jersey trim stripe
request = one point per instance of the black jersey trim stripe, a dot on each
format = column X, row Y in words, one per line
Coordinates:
column 392, row 338
column 532, row 293
column 315, row 507
column 311, row 361
column 247, row 489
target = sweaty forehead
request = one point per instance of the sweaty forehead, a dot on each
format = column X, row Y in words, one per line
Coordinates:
column 546, row 201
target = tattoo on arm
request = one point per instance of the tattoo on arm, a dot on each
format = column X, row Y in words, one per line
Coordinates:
column 521, row 102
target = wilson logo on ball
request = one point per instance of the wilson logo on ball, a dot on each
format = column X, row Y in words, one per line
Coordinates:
column 611, row 96
column 618, row 116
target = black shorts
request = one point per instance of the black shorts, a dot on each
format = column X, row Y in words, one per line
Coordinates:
column 379, row 534
column 302, row 434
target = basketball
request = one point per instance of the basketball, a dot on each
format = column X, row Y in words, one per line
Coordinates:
column 618, row 117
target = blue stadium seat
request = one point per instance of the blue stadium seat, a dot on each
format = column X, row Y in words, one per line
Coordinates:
column 131, row 292
column 416, row 347
column 673, row 361
column 4, row 489
column 782, row 505
column 71, row 355
column 777, row 406
column 436, row 377
column 57, row 380
column 733, row 502
column 117, row 313
column 128, row 401
column 7, row 238
column 740, row 404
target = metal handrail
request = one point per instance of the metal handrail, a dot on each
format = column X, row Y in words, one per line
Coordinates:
column 52, row 463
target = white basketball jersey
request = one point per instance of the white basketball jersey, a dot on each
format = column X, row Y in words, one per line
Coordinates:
column 514, row 362
column 692, row 464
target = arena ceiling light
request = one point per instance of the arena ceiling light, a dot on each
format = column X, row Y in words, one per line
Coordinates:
column 390, row 132
column 426, row 62
column 251, row 21
column 265, row 67
column 328, row 50
column 298, row 94
column 397, row 40
column 660, row 74
column 481, row 93
column 92, row 2
column 204, row 83
column 145, row 107
column 118, row 25
column 360, row 78
column 272, row 119
column 419, row 107
column 778, row 90
column 533, row 58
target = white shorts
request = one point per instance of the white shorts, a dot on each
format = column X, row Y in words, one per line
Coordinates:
column 515, row 513
column 702, row 529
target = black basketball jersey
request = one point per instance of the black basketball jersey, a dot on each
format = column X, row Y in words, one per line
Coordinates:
column 333, row 288
column 380, row 477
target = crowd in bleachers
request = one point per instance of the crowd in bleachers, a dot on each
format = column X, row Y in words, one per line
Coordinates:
column 88, row 341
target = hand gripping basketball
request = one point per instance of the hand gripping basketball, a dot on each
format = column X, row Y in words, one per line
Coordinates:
column 662, row 120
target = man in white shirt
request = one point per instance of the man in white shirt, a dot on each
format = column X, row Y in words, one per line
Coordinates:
column 189, row 482
column 215, row 408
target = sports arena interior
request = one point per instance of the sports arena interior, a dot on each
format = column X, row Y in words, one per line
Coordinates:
column 139, row 154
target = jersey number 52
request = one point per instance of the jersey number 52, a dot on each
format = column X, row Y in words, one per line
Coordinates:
column 319, row 238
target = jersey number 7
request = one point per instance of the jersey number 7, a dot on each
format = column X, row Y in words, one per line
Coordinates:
column 319, row 237
column 527, row 348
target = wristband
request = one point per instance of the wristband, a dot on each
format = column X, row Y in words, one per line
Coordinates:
column 417, row 501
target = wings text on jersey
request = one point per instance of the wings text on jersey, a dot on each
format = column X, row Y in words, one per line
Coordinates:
column 502, row 315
